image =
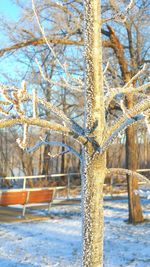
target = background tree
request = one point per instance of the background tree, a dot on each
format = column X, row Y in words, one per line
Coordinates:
column 131, row 51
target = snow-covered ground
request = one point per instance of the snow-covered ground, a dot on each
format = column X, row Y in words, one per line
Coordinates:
column 57, row 241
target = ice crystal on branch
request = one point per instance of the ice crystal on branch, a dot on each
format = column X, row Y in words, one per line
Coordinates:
column 147, row 121
column 23, row 143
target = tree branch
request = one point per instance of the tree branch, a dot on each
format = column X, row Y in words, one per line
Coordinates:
column 9, row 122
column 122, row 127
column 4, row 123
column 134, row 115
column 41, row 41
column 53, row 143
column 129, row 172
column 124, row 90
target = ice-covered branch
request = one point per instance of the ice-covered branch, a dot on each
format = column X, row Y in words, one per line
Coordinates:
column 53, row 156
column 76, row 128
column 114, row 92
column 23, row 143
column 20, row 95
column 8, row 122
column 134, row 115
column 129, row 172
column 130, row 82
column 3, row 111
column 13, row 97
column 51, row 126
column 147, row 120
column 34, row 103
column 53, row 143
column 122, row 127
column 143, row 193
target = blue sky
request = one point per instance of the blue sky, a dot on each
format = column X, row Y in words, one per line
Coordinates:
column 8, row 9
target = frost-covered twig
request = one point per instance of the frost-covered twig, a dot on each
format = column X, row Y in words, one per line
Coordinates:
column 135, row 76
column 119, row 15
column 53, row 156
column 62, row 85
column 46, row 40
column 135, row 115
column 147, row 120
column 34, row 102
column 124, row 109
column 124, row 90
column 21, row 96
column 114, row 134
column 23, row 143
column 3, row 111
column 14, row 97
column 106, row 68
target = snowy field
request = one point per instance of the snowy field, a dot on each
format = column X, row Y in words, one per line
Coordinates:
column 57, row 241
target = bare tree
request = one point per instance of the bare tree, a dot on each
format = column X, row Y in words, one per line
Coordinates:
column 95, row 135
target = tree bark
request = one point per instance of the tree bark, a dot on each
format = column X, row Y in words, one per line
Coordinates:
column 93, row 166
column 45, row 170
column 135, row 209
column 92, row 208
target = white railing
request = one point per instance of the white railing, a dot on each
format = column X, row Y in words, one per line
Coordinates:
column 68, row 175
column 25, row 178
column 143, row 170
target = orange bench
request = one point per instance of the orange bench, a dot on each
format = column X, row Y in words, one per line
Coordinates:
column 28, row 197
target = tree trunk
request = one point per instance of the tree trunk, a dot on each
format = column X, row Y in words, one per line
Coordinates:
column 135, row 210
column 93, row 164
column 92, row 208
column 46, row 158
